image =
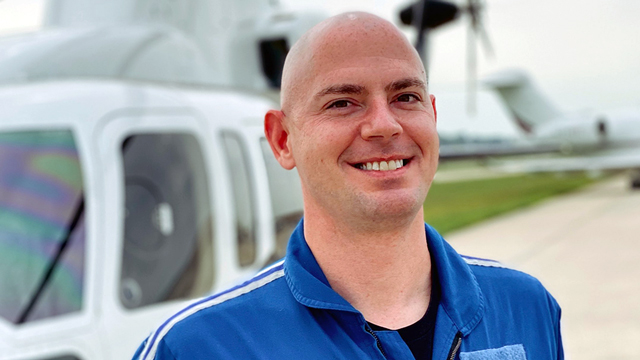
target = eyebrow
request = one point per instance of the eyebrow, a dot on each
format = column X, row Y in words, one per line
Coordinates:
column 405, row 83
column 358, row 89
column 341, row 89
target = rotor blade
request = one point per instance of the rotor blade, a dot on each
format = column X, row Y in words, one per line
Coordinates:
column 422, row 38
column 424, row 51
column 475, row 8
column 486, row 42
column 435, row 13
column 420, row 42
column 417, row 22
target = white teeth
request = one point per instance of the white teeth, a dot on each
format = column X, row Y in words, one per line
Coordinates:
column 382, row 165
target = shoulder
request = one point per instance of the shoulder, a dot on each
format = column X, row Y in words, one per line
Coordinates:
column 497, row 283
column 517, row 306
column 496, row 276
column 505, row 286
column 200, row 322
column 488, row 272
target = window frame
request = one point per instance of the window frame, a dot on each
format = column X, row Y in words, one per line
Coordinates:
column 253, row 196
column 114, row 130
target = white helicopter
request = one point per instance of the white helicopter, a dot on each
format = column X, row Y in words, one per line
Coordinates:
column 132, row 178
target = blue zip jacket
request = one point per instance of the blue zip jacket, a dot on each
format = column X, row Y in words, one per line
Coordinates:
column 289, row 311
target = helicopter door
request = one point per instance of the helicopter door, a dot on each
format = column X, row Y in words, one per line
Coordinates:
column 159, row 220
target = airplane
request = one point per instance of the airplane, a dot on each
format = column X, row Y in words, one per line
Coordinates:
column 135, row 176
column 587, row 141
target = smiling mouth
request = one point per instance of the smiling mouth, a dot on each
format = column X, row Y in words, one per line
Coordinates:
column 382, row 165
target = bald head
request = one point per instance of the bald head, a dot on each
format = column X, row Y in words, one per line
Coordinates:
column 332, row 43
column 354, row 93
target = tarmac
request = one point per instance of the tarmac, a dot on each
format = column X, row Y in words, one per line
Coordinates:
column 585, row 248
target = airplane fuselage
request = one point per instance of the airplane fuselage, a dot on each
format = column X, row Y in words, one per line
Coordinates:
column 584, row 132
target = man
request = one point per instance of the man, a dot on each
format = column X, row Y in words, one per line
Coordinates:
column 364, row 277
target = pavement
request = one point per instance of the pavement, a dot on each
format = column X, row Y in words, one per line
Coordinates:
column 585, row 248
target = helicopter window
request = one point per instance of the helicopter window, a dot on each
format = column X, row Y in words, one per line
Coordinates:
column 42, row 231
column 286, row 199
column 272, row 53
column 168, row 247
column 243, row 198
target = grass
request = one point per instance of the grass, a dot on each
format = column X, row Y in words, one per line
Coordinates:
column 451, row 206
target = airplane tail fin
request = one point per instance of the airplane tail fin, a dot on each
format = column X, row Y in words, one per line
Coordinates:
column 527, row 105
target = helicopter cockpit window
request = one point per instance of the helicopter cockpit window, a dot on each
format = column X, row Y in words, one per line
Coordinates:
column 168, row 232
column 42, row 230
column 272, row 53
column 286, row 198
column 243, row 198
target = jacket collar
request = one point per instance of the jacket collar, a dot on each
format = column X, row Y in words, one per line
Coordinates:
column 305, row 278
column 461, row 297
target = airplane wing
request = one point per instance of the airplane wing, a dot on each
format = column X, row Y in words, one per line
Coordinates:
column 473, row 150
column 615, row 159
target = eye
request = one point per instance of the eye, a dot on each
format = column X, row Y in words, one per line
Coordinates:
column 407, row 98
column 339, row 104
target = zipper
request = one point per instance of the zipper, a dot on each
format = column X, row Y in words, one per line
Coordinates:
column 378, row 343
column 455, row 347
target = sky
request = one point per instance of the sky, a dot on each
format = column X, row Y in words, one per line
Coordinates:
column 20, row 15
column 582, row 53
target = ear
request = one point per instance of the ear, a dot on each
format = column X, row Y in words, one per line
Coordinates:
column 433, row 104
column 277, row 135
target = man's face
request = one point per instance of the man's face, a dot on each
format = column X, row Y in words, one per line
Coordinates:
column 364, row 109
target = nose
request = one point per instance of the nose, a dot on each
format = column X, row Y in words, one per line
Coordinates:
column 380, row 123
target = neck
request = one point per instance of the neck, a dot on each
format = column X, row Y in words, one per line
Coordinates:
column 386, row 275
